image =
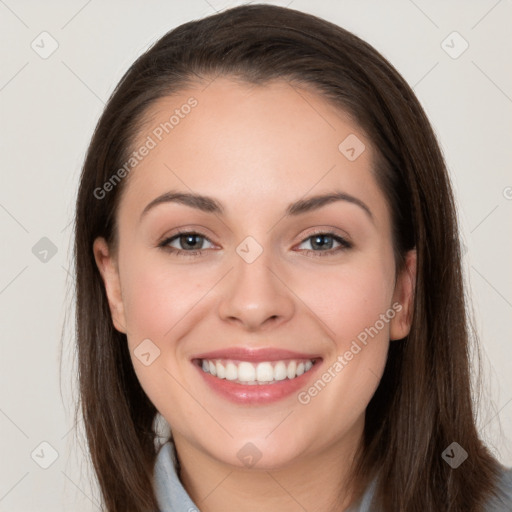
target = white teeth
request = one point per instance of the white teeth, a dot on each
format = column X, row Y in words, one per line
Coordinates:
column 280, row 371
column 221, row 371
column 231, row 371
column 292, row 370
column 264, row 372
column 245, row 372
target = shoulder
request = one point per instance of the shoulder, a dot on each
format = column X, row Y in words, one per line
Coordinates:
column 502, row 501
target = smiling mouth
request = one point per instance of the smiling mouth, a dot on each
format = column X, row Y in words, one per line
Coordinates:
column 263, row 372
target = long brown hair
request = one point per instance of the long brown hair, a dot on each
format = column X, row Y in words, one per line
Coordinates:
column 423, row 402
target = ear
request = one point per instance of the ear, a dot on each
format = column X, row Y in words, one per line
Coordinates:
column 107, row 265
column 403, row 298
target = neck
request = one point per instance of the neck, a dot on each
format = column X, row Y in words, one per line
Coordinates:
column 213, row 485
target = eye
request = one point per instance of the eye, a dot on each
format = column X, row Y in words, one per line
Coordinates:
column 322, row 244
column 191, row 243
column 186, row 243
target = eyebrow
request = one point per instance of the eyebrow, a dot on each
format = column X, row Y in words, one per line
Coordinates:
column 210, row 205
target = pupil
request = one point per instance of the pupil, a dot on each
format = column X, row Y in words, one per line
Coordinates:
column 190, row 240
column 319, row 241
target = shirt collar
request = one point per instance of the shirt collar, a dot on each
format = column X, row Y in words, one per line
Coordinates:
column 170, row 493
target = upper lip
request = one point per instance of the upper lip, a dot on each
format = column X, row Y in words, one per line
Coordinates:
column 256, row 355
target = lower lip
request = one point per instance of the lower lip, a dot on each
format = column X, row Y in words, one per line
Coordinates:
column 257, row 393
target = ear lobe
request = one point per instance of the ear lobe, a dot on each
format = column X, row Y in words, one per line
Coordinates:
column 405, row 287
column 107, row 266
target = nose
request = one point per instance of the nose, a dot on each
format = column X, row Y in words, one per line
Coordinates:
column 255, row 296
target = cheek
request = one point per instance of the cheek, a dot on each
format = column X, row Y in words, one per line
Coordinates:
column 160, row 300
column 157, row 296
column 349, row 299
column 354, row 306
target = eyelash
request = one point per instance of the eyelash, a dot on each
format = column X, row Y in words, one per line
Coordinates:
column 344, row 244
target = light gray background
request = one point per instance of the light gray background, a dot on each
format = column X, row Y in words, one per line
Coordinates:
column 49, row 108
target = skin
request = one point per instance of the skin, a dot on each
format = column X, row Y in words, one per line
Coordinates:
column 256, row 149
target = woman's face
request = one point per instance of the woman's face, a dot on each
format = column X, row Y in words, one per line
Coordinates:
column 269, row 279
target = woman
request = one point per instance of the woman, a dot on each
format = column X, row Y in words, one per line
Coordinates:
column 267, row 257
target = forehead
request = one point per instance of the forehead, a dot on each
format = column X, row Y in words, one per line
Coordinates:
column 267, row 143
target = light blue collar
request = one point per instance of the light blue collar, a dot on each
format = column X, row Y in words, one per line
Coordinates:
column 170, row 493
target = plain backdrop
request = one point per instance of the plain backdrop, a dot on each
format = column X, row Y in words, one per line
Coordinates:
column 50, row 104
